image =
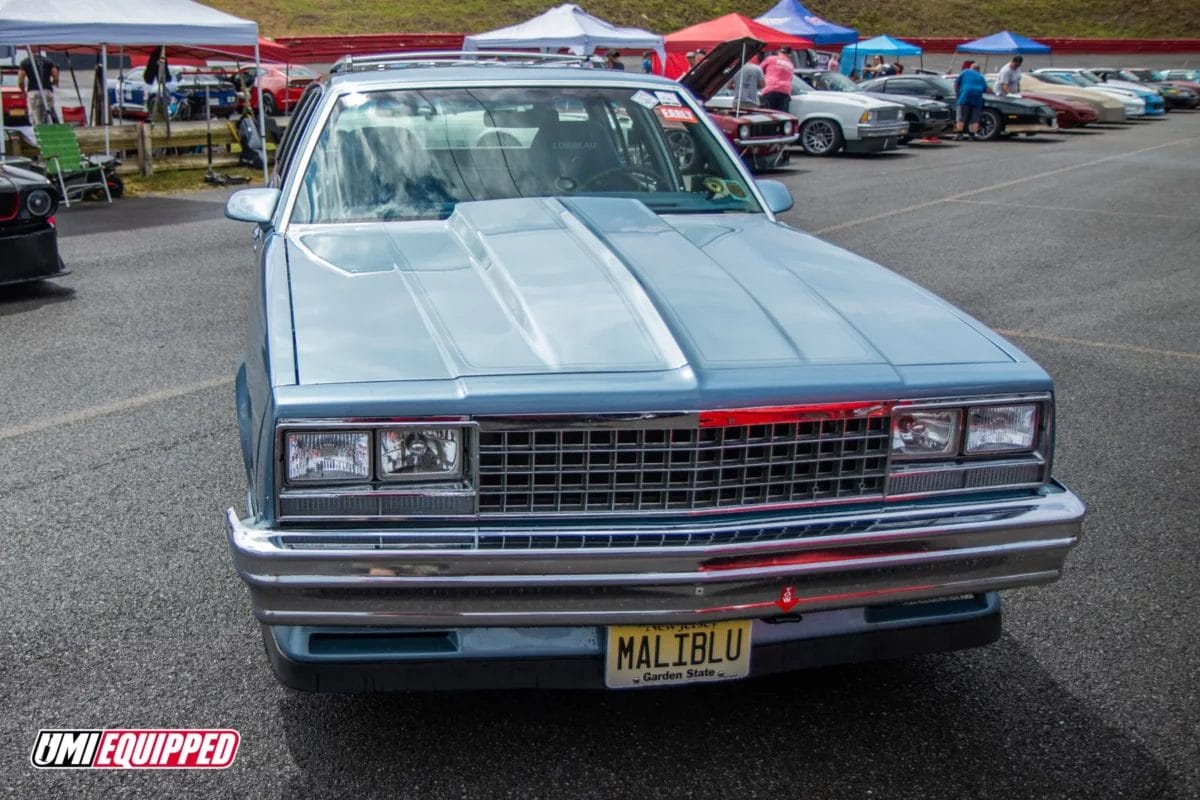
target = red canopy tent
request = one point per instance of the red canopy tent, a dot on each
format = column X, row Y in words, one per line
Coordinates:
column 731, row 26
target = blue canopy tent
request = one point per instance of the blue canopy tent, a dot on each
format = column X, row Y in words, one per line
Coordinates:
column 791, row 17
column 855, row 55
column 1004, row 43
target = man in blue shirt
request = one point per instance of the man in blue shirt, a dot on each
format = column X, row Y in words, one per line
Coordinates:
column 969, row 87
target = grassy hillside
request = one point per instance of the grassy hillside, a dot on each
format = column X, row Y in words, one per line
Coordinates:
column 1132, row 18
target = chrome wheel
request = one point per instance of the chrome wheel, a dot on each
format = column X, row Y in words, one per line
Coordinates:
column 820, row 137
column 683, row 147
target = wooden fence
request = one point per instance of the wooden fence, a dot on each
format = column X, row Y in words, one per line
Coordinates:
column 144, row 148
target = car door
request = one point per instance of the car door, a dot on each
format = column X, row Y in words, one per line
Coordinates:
column 914, row 86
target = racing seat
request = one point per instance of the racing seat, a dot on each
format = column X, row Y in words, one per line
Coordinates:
column 570, row 155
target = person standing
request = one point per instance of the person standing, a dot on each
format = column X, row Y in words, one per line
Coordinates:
column 834, row 65
column 748, row 82
column 38, row 78
column 1009, row 79
column 612, row 60
column 778, row 72
column 648, row 62
column 969, row 88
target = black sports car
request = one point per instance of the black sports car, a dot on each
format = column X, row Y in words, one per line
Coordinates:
column 28, row 240
column 1001, row 115
column 926, row 117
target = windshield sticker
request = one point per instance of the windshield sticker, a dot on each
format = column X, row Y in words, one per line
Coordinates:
column 668, row 98
column 675, row 114
column 642, row 97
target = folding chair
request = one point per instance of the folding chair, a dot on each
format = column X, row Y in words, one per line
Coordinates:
column 76, row 173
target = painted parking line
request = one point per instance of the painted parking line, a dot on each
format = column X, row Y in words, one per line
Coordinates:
column 1001, row 185
column 1068, row 209
column 85, row 414
column 1129, row 348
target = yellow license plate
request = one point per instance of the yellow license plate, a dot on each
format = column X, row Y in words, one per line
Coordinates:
column 667, row 655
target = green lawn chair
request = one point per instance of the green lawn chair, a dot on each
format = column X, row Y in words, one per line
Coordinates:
column 65, row 162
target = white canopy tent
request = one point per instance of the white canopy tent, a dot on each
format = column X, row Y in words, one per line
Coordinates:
column 566, row 27
column 126, row 22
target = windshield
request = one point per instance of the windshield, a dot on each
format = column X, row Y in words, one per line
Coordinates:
column 1140, row 75
column 1085, row 78
column 834, row 82
column 943, row 87
column 415, row 154
column 297, row 71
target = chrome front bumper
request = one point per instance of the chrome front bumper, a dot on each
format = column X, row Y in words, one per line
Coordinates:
column 882, row 130
column 389, row 577
column 767, row 142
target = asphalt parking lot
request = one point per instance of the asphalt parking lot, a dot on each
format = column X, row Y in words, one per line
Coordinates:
column 121, row 608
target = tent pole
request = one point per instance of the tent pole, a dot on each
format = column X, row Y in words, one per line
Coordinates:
column 262, row 116
column 104, row 96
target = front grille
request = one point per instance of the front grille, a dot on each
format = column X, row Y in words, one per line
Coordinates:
column 889, row 114
column 615, row 470
column 764, row 130
column 939, row 113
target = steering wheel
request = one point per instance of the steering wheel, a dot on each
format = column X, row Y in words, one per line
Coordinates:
column 630, row 170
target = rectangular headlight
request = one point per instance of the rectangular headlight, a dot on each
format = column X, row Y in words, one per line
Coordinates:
column 421, row 454
column 931, row 433
column 1001, row 429
column 328, row 456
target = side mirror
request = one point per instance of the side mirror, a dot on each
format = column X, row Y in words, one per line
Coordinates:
column 253, row 205
column 778, row 198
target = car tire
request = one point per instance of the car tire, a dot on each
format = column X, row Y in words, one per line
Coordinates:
column 684, row 149
column 268, row 104
column 990, row 126
column 821, row 137
column 116, row 186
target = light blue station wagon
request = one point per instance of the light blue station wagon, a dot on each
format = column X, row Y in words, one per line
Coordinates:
column 538, row 392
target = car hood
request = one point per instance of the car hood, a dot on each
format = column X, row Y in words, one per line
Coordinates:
column 855, row 99
column 718, row 67
column 15, row 179
column 906, row 100
column 538, row 286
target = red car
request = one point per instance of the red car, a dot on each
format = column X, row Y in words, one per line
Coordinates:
column 12, row 99
column 282, row 85
column 761, row 136
column 1070, row 113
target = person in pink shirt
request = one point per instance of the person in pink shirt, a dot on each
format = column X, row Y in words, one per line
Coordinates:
column 778, row 71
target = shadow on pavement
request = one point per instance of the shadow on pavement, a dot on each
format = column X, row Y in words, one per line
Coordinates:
column 989, row 723
column 22, row 297
column 132, row 213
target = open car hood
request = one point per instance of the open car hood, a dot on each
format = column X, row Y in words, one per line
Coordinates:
column 718, row 68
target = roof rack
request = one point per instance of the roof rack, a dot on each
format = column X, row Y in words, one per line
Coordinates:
column 435, row 58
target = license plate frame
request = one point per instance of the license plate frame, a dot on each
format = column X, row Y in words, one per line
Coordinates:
column 640, row 656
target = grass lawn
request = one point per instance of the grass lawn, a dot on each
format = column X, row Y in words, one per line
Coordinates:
column 1103, row 18
column 182, row 180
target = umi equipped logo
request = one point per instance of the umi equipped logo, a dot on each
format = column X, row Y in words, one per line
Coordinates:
column 135, row 748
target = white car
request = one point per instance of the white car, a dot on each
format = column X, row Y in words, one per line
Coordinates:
column 833, row 121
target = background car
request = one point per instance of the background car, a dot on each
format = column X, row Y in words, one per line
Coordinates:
column 1155, row 105
column 1109, row 107
column 834, row 121
column 761, row 136
column 28, row 239
column 282, row 85
column 1001, row 115
column 190, row 90
column 12, row 99
column 1069, row 113
column 1179, row 79
column 926, row 118
column 1174, row 96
